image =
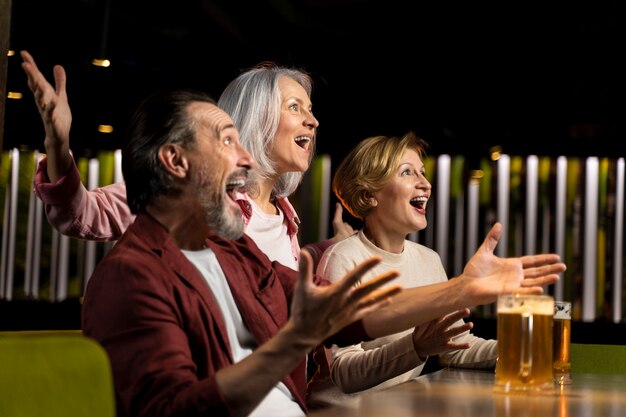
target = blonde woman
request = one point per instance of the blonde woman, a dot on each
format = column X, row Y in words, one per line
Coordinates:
column 382, row 182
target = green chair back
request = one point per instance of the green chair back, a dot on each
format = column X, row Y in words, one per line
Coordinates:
column 598, row 359
column 54, row 373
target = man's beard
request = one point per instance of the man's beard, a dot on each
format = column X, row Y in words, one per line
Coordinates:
column 218, row 216
column 222, row 221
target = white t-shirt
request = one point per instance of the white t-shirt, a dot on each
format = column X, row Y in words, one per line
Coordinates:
column 269, row 232
column 278, row 402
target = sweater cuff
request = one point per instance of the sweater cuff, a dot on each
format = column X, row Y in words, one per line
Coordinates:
column 58, row 192
column 405, row 344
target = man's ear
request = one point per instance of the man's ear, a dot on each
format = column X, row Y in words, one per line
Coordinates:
column 174, row 159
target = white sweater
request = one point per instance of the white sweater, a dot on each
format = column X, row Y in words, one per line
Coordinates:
column 390, row 360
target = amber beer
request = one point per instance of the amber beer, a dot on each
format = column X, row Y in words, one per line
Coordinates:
column 561, row 342
column 524, row 342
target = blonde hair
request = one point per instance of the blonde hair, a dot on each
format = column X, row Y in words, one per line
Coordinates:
column 369, row 167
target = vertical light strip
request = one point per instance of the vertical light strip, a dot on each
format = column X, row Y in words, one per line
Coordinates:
column 63, row 274
column 618, row 259
column 63, row 269
column 443, row 207
column 90, row 246
column 457, row 192
column 459, row 210
column 590, row 236
column 33, row 241
column 30, row 239
column 55, row 260
column 504, row 174
column 117, row 163
column 544, row 207
column 473, row 189
column 561, row 189
column 324, row 196
column 532, row 178
column 39, row 221
column 11, row 221
column 5, row 245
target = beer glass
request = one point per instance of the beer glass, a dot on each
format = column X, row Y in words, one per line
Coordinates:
column 524, row 343
column 561, row 341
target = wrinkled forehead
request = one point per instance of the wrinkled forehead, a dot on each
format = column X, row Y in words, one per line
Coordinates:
column 207, row 112
column 211, row 118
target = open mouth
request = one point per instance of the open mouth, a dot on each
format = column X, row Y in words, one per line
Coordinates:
column 303, row 142
column 419, row 202
column 235, row 185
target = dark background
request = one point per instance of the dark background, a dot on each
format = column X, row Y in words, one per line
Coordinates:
column 542, row 78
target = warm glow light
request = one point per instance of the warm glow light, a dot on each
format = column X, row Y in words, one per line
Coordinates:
column 477, row 174
column 101, row 62
column 105, row 128
column 14, row 95
column 10, row 52
column 496, row 153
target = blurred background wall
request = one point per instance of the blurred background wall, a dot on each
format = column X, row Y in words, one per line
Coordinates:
column 540, row 84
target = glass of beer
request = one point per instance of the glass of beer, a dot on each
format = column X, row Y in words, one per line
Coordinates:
column 524, row 343
column 561, row 341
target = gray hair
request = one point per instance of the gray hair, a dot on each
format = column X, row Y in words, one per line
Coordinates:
column 253, row 101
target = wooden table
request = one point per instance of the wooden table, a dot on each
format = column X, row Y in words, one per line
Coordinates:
column 465, row 393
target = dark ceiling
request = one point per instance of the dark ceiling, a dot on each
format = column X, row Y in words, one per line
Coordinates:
column 545, row 78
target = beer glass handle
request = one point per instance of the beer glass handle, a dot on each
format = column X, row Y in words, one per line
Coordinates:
column 526, row 346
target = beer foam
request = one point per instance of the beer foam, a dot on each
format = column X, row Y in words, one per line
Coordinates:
column 562, row 311
column 542, row 304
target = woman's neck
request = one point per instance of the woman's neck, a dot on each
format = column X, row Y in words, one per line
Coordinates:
column 384, row 238
column 264, row 198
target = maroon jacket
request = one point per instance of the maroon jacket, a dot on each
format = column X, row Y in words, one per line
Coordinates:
column 163, row 330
